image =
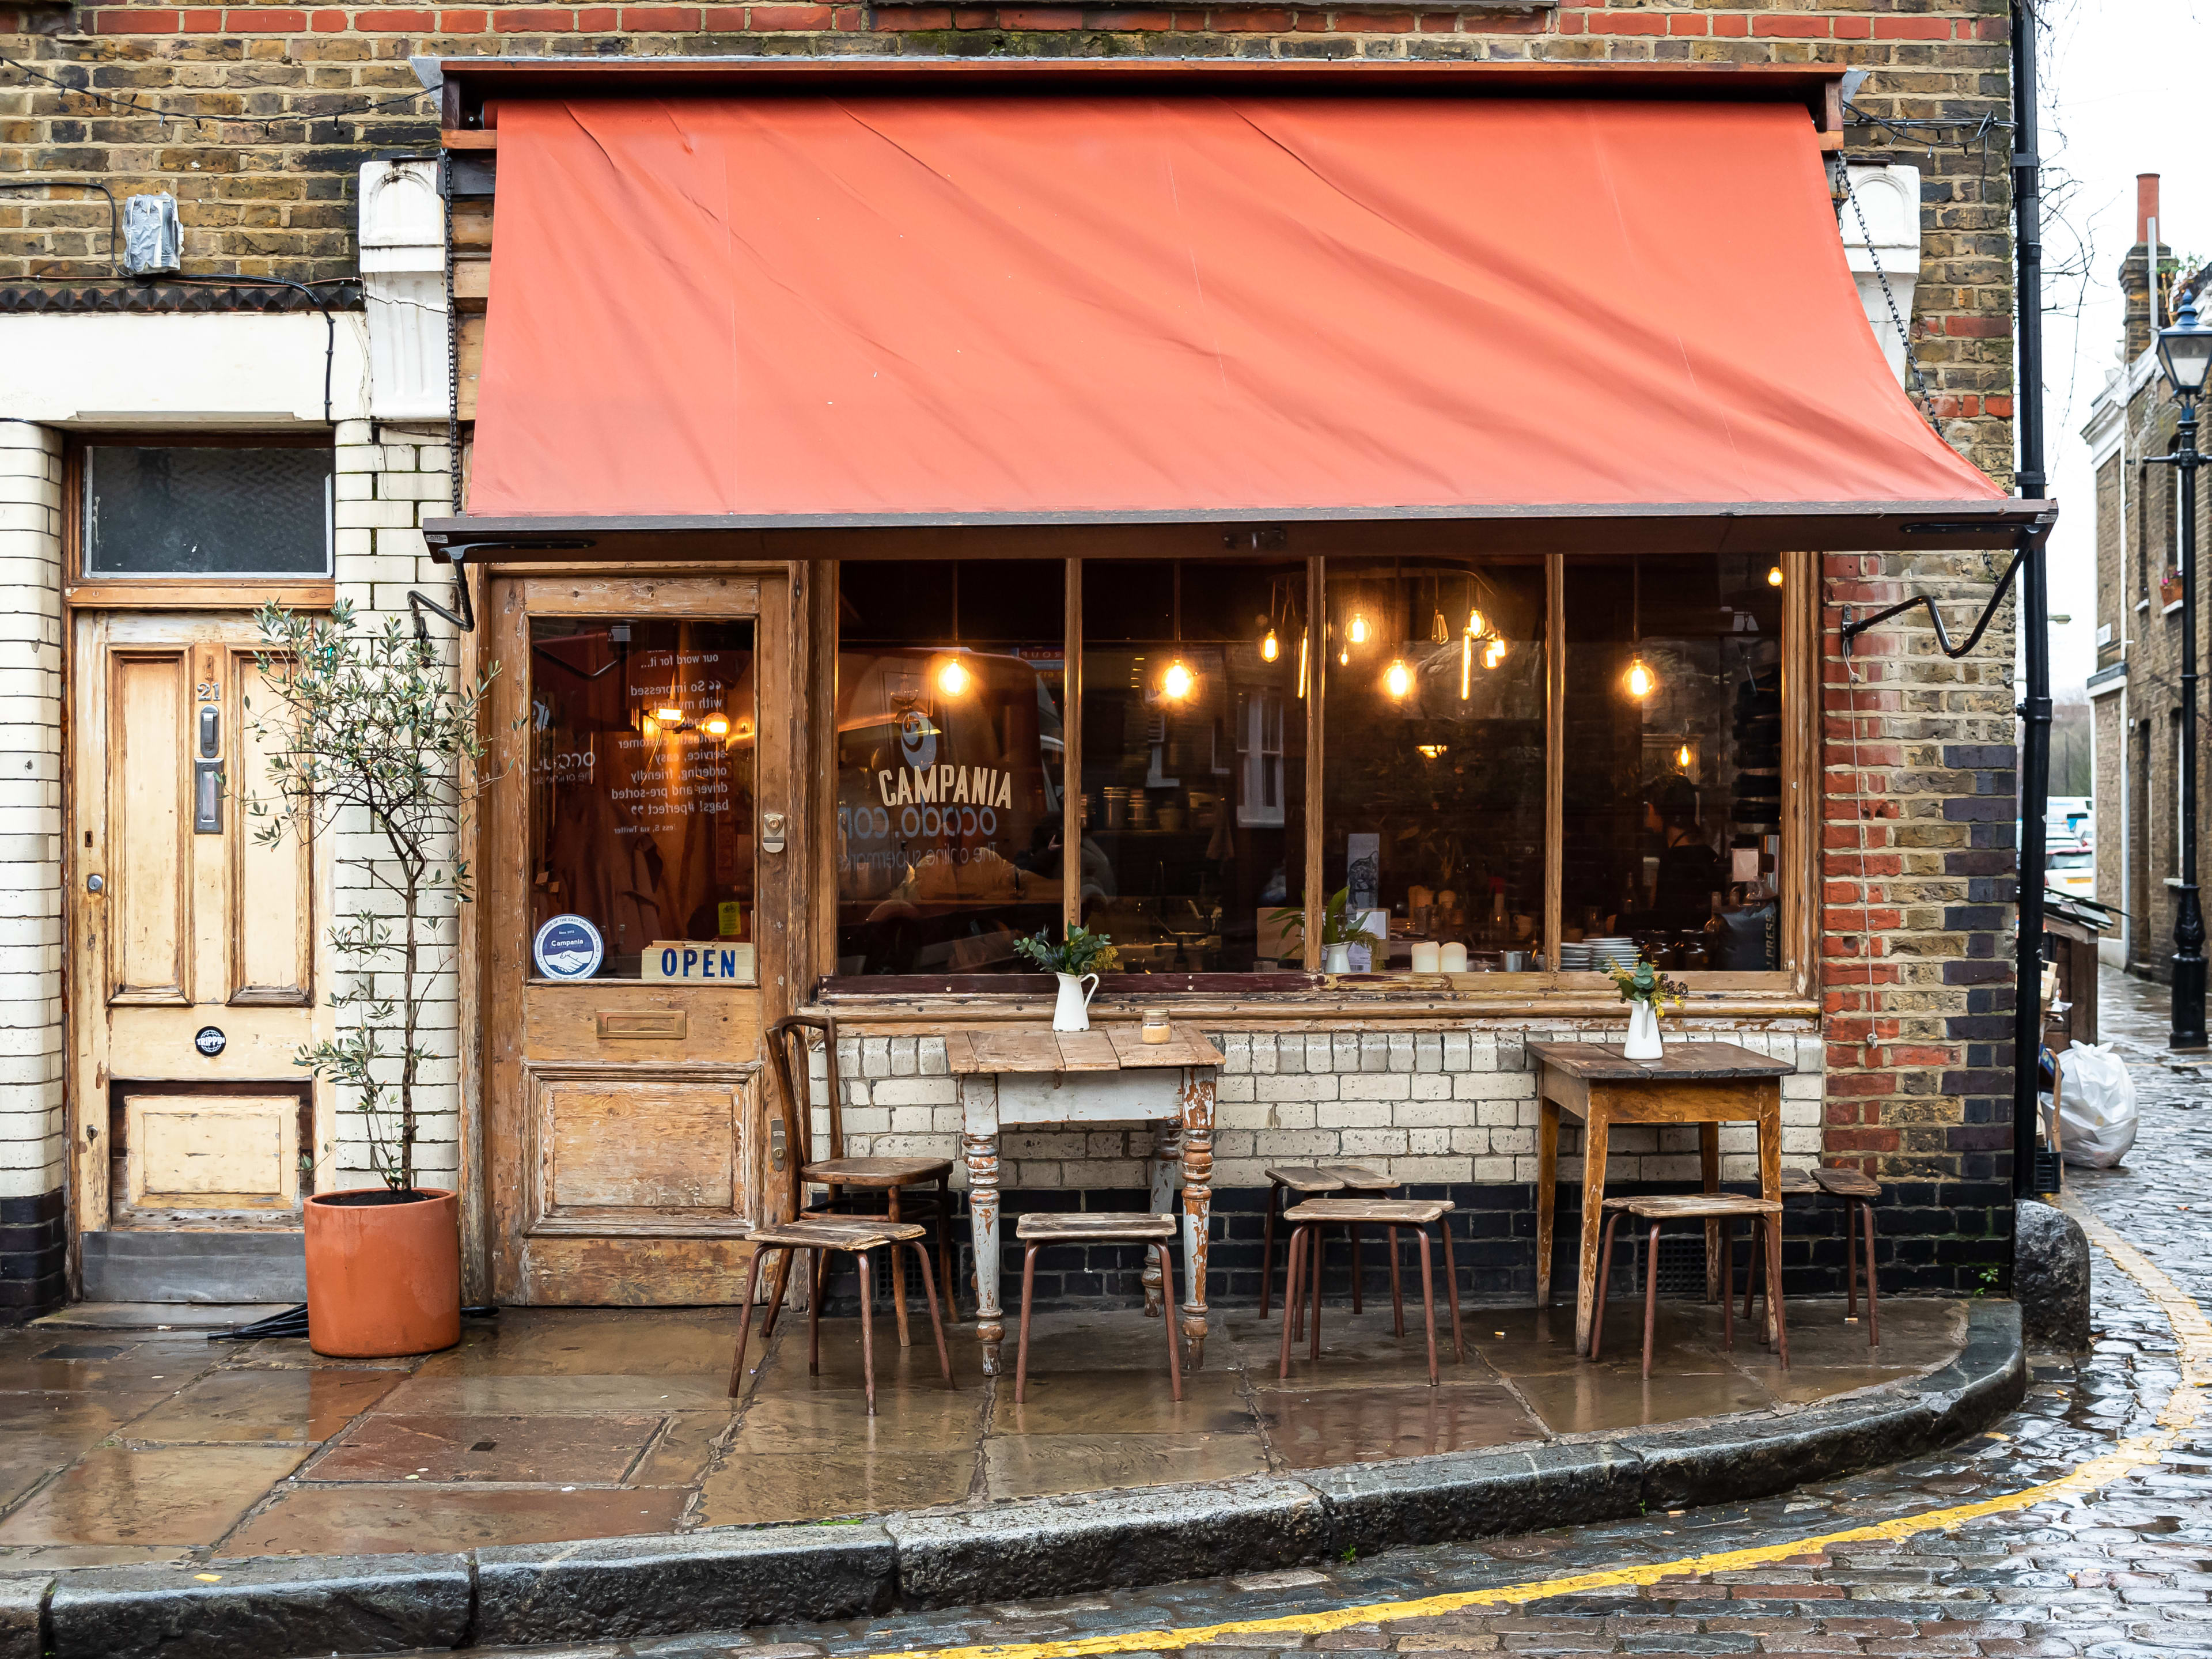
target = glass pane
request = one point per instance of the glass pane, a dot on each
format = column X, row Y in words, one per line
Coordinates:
column 1673, row 758
column 642, row 763
column 1432, row 769
column 950, row 683
column 1193, row 762
column 168, row 511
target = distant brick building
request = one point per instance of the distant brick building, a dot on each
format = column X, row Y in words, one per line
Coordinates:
column 259, row 121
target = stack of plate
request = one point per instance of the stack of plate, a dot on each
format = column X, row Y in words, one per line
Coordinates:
column 1574, row 957
column 1619, row 951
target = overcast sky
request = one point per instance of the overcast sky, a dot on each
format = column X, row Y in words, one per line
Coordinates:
column 2126, row 86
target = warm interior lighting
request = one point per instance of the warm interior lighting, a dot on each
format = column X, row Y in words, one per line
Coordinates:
column 1467, row 664
column 716, row 725
column 1433, row 750
column 1774, row 577
column 669, row 716
column 1356, row 629
column 953, row 679
column 1270, row 647
column 1640, row 680
column 1493, row 653
column 1177, row 682
column 1344, row 657
column 1302, row 666
column 1683, row 757
column 1477, row 626
column 1398, row 679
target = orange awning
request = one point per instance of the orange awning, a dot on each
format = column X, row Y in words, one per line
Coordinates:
column 883, row 306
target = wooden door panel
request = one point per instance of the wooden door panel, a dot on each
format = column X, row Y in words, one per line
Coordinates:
column 271, row 931
column 635, row 1273
column 211, row 1153
column 148, row 830
column 629, row 1148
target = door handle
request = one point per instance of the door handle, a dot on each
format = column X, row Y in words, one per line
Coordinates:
column 94, row 884
column 771, row 832
column 775, row 1145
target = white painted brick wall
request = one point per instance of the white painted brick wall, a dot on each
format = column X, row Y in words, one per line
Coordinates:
column 1439, row 1107
column 32, row 1133
column 389, row 478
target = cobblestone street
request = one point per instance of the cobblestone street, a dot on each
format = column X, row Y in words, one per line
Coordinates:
column 2082, row 1525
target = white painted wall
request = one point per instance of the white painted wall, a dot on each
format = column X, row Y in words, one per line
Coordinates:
column 132, row 369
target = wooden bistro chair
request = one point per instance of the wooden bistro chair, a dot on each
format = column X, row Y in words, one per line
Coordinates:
column 855, row 1183
column 856, row 1235
column 1723, row 1207
column 1042, row 1227
column 1306, row 1220
column 1319, row 1180
column 1858, row 1191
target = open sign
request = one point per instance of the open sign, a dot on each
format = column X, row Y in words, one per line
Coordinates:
column 698, row 961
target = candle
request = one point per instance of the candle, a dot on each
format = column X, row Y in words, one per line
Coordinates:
column 1428, row 958
column 1454, row 958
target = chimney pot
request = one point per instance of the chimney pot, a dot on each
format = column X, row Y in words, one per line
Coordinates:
column 2146, row 205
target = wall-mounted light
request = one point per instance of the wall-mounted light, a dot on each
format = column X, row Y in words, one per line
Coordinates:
column 1774, row 577
column 1178, row 682
column 1270, row 647
column 954, row 679
column 1398, row 679
column 716, row 725
column 669, row 716
column 1639, row 680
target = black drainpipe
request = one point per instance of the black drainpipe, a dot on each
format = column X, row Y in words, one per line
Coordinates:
column 2035, row 708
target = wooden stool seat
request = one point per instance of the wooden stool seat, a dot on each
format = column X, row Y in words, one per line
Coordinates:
column 1797, row 1183
column 816, row 1231
column 1309, row 1179
column 1063, row 1226
column 1388, row 1212
column 877, row 1171
column 1848, row 1183
column 1858, row 1190
column 1722, row 1207
column 1152, row 1229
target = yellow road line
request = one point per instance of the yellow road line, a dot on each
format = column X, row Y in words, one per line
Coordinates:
column 2191, row 1328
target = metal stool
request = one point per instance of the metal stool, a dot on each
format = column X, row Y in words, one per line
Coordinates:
column 1723, row 1207
column 1418, row 1213
column 1858, row 1190
column 1310, row 1181
column 1043, row 1227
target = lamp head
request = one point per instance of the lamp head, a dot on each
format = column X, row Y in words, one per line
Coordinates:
column 2184, row 350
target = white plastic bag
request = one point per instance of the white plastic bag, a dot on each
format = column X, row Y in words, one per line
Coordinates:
column 2096, row 1107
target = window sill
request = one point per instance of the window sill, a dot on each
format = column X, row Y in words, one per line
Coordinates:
column 204, row 594
column 2168, row 610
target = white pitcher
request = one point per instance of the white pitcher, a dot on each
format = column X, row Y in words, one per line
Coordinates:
column 1072, row 1011
column 1644, row 1041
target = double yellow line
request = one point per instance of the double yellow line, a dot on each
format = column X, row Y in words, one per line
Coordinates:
column 2181, row 1412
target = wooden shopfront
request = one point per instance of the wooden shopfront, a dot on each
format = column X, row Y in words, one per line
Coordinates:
column 1153, row 498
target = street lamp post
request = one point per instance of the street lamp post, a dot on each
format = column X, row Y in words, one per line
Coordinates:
column 2185, row 353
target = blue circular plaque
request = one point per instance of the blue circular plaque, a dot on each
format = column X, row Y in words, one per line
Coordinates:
column 567, row 947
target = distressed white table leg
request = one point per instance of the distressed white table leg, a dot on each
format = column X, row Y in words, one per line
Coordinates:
column 1197, row 1098
column 979, row 1144
column 1167, row 1174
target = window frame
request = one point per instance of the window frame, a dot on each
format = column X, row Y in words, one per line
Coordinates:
column 1797, row 872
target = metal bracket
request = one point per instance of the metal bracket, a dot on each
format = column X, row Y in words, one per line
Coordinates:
column 464, row 617
column 1852, row 629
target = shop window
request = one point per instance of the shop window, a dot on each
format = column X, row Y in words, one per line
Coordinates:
column 1672, row 745
column 949, row 760
column 1432, row 759
column 641, row 816
column 186, row 510
column 1194, row 750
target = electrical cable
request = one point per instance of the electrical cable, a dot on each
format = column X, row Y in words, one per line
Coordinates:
column 330, row 324
column 133, row 105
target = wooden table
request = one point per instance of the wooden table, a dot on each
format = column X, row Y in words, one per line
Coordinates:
column 1707, row 1084
column 1021, row 1075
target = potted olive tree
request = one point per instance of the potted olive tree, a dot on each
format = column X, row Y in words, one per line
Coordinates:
column 371, row 738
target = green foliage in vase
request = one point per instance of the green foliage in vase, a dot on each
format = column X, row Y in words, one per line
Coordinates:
column 1080, row 951
column 1644, row 983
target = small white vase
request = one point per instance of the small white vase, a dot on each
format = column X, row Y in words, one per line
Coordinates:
column 1643, row 1041
column 1336, row 959
column 1072, row 1011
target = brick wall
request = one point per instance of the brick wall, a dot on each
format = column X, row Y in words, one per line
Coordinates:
column 31, row 1033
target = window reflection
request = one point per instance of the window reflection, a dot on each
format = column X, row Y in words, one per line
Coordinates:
column 1432, row 767
column 1193, row 762
column 1673, row 748
column 949, row 764
column 642, row 754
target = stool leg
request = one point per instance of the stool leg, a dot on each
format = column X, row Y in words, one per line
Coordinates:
column 1397, row 1297
column 1021, row 1344
column 1727, row 1284
column 775, row 1296
column 1771, row 1224
column 1167, row 1297
column 1651, row 1295
column 1851, row 1260
column 1355, row 1266
column 1604, row 1278
column 1314, row 1236
column 1451, row 1289
column 744, row 1328
column 1750, row 1274
column 1873, row 1306
column 1428, row 1305
column 867, row 1323
column 1290, row 1297
column 944, row 1246
column 898, row 1274
column 1268, row 1244
column 936, row 1324
column 819, row 1267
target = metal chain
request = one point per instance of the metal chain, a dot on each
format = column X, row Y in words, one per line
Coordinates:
column 1889, row 298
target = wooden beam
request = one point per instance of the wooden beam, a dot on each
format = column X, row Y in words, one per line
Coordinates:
column 469, row 138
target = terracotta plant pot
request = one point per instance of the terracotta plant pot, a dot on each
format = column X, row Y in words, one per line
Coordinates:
column 384, row 1272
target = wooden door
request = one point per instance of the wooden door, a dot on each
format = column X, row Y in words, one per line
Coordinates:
column 192, row 946
column 643, row 797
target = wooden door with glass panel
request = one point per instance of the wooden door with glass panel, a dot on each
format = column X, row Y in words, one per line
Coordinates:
column 191, row 941
column 634, row 934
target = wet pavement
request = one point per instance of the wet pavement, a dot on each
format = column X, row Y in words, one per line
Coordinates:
column 122, row 1447
column 2081, row 1525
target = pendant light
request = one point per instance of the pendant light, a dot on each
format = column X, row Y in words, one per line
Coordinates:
column 1639, row 681
column 1270, row 647
column 1178, row 680
column 953, row 679
column 1685, row 757
column 1398, row 679
column 1774, row 577
column 1467, row 664
column 1356, row 629
column 1302, row 667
